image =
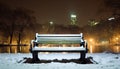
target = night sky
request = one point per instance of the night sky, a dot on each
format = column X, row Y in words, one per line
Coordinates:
column 59, row 11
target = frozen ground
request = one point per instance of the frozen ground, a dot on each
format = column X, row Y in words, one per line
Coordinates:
column 15, row 61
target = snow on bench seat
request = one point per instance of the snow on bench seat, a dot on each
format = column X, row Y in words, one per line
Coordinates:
column 59, row 49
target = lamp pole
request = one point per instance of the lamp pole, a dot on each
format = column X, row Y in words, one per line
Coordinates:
column 51, row 27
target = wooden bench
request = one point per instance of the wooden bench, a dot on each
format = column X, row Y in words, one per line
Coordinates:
column 58, row 39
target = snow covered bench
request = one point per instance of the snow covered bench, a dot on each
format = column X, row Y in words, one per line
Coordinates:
column 58, row 39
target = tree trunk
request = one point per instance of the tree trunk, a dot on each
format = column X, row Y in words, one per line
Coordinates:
column 11, row 37
column 19, row 40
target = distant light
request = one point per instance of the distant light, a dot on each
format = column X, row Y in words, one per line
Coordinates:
column 112, row 18
column 91, row 49
column 73, row 19
column 73, row 16
column 90, row 39
column 96, row 23
column 116, row 38
column 51, row 22
column 93, row 23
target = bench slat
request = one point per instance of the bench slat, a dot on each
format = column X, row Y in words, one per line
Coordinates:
column 58, row 35
column 59, row 49
column 59, row 40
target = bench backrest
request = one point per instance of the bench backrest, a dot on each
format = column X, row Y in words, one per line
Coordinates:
column 59, row 38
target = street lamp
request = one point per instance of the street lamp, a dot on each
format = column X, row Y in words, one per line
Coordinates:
column 91, row 40
column 73, row 15
column 91, row 45
column 73, row 19
column 51, row 27
column 117, row 39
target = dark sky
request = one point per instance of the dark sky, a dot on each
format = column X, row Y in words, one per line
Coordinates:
column 59, row 11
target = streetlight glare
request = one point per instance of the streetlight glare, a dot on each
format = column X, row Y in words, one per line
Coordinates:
column 73, row 19
column 73, row 15
column 90, row 39
column 51, row 22
column 116, row 38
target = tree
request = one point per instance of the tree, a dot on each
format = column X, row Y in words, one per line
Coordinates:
column 5, row 21
column 23, row 18
column 113, row 6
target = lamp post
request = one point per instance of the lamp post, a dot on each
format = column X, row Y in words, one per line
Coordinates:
column 110, row 28
column 51, row 28
column 117, row 39
column 91, row 42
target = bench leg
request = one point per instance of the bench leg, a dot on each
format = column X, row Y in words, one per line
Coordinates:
column 35, row 56
column 82, row 56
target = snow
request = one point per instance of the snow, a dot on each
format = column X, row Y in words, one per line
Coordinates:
column 15, row 61
column 59, row 35
column 59, row 49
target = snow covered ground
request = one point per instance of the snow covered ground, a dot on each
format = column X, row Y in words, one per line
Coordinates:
column 14, row 61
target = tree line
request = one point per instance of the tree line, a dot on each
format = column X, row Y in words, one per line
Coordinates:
column 20, row 24
column 106, row 28
column 14, row 22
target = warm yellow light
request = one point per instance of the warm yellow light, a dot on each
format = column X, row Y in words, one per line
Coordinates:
column 116, row 38
column 91, row 40
column 91, row 49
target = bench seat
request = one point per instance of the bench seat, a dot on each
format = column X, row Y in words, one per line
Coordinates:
column 58, row 49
